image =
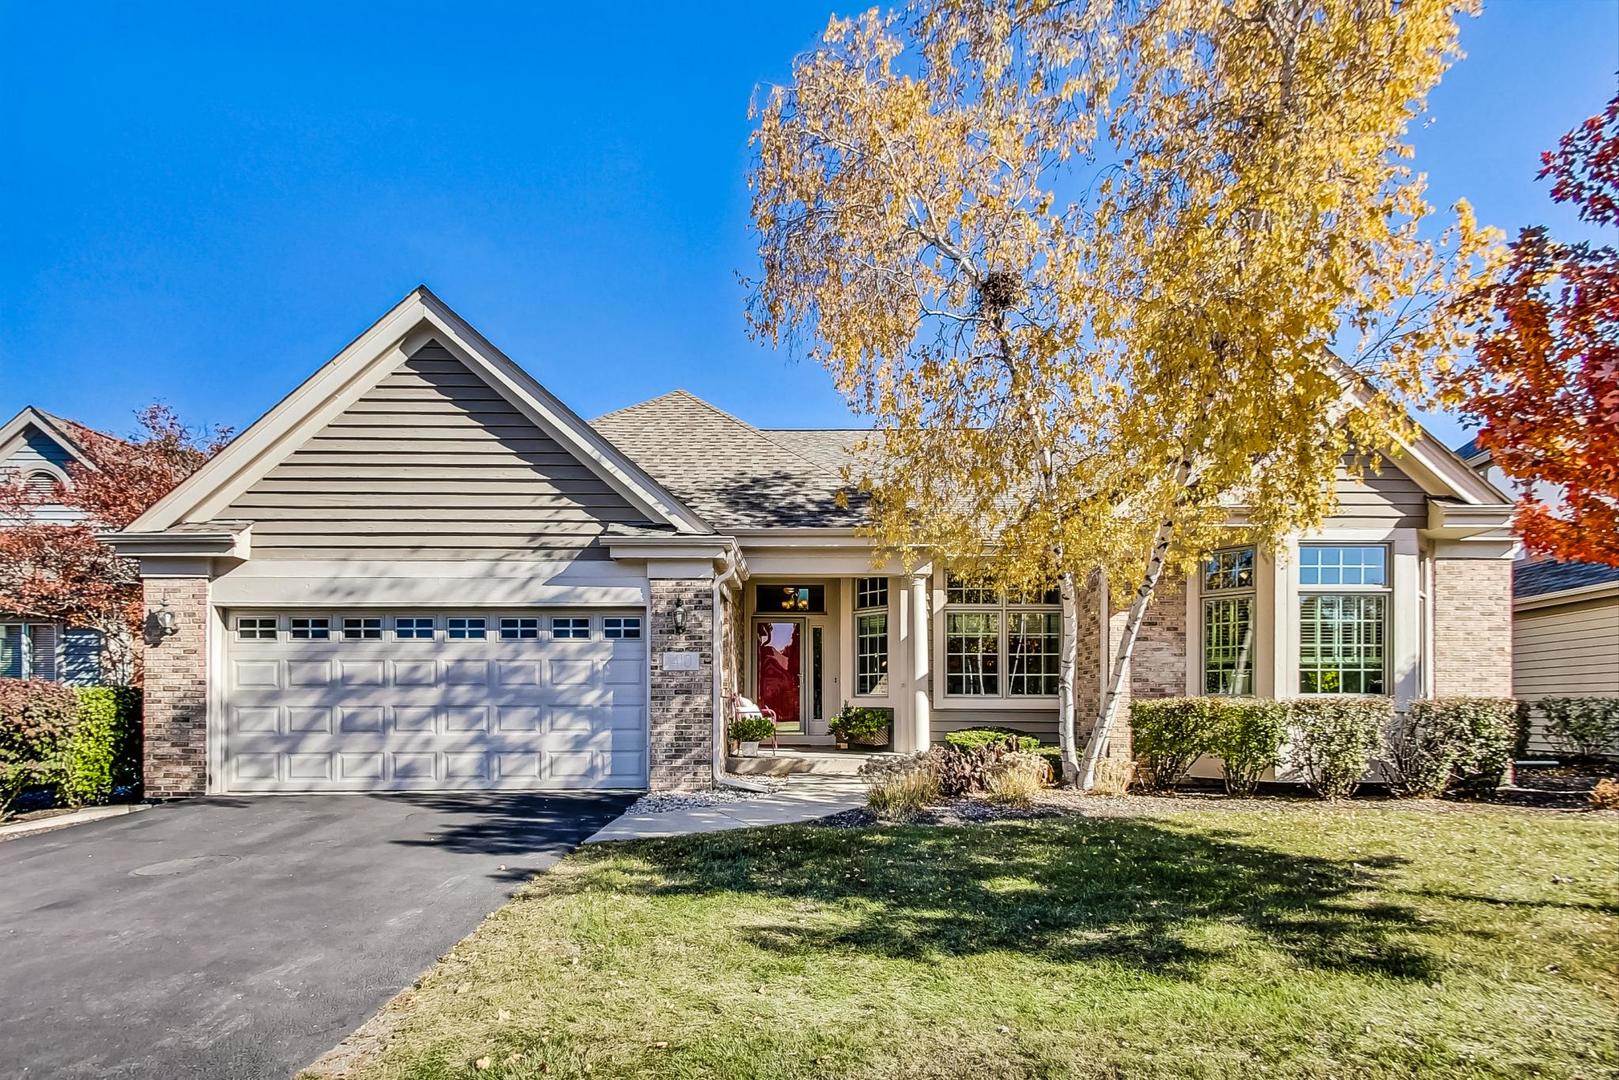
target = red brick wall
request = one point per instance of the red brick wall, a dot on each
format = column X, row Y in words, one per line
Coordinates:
column 175, row 740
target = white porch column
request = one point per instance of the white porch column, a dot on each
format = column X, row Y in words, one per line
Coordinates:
column 921, row 729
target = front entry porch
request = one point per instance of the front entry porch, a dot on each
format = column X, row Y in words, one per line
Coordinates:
column 811, row 645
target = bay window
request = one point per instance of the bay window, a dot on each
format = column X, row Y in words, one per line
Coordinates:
column 1343, row 619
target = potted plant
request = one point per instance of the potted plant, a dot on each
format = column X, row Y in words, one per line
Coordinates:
column 860, row 725
column 747, row 731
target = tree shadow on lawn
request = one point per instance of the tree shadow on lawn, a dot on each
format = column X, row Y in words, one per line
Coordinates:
column 1136, row 892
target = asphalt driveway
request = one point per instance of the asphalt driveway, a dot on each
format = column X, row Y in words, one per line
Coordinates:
column 241, row 938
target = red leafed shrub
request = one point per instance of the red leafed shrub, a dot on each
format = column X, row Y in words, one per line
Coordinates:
column 36, row 723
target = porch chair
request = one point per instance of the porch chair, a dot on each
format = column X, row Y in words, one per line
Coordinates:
column 741, row 706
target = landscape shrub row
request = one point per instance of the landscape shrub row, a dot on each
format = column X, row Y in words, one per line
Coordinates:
column 1436, row 746
column 78, row 745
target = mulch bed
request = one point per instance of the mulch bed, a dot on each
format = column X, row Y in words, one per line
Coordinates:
column 1562, row 788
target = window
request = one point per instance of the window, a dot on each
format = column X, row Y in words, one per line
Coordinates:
column 871, row 653
column 1018, row 636
column 28, row 651
column 41, row 485
column 870, row 592
column 871, row 635
column 959, row 591
column 1033, row 641
column 311, row 629
column 471, row 628
column 256, row 628
column 514, row 629
column 571, row 629
column 972, row 650
column 817, row 696
column 790, row 599
column 1343, row 619
column 413, row 627
column 1228, row 622
column 367, row 628
column 619, row 626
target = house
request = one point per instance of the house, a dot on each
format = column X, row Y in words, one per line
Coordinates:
column 42, row 449
column 1565, row 618
column 421, row 570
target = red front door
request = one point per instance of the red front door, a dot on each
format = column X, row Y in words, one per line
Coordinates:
column 780, row 667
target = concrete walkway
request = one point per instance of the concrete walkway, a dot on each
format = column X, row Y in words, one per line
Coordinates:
column 805, row 797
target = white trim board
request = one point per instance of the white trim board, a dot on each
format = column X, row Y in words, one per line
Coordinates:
column 371, row 357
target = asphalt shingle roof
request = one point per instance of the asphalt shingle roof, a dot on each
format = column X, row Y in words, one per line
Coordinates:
column 1537, row 577
column 727, row 470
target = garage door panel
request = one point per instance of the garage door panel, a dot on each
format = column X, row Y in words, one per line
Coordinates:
column 463, row 714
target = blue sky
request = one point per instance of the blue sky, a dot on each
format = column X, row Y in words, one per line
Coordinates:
column 201, row 209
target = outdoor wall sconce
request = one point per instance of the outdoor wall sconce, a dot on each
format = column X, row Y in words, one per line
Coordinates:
column 680, row 615
column 166, row 622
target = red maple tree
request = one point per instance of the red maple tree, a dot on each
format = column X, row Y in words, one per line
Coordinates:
column 50, row 570
column 1546, row 384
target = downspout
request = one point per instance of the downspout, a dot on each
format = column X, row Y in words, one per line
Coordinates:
column 720, row 743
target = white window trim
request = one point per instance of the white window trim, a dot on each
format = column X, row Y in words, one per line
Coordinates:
column 1391, row 612
column 1004, row 699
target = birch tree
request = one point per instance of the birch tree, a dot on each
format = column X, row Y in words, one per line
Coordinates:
column 1085, row 265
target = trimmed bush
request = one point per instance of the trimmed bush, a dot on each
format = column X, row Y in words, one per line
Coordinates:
column 1443, row 743
column 1247, row 734
column 36, row 722
column 1587, row 727
column 103, row 754
column 1169, row 734
column 751, row 728
column 1335, row 739
column 973, row 738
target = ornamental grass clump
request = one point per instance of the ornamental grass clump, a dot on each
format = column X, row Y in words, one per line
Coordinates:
column 901, row 794
column 1016, row 778
column 1334, row 740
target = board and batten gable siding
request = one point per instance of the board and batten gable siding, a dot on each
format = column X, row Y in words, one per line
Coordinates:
column 1377, row 499
column 36, row 451
column 431, row 463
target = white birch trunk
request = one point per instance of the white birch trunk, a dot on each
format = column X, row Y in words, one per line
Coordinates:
column 1069, row 661
column 1108, row 713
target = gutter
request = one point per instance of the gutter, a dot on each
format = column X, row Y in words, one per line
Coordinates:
column 720, row 743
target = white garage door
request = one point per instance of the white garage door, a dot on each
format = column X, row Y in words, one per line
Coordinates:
column 390, row 701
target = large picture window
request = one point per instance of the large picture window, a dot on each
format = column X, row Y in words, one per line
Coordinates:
column 1000, row 646
column 1343, row 619
column 1228, row 622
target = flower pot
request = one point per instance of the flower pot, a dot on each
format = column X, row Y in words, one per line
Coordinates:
column 879, row 738
column 747, row 749
column 842, row 744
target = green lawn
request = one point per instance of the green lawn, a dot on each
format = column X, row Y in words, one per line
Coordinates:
column 1298, row 942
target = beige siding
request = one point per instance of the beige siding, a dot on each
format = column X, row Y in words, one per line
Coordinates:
column 432, row 463
column 1567, row 651
column 1379, row 499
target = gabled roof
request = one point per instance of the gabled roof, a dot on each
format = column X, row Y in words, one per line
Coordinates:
column 734, row 474
column 418, row 318
column 75, row 438
column 1539, row 577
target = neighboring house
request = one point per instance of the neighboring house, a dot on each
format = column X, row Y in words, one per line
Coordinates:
column 421, row 570
column 1565, row 626
column 42, row 448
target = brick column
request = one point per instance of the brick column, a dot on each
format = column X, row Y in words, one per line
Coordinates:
column 175, row 739
column 682, row 735
column 1472, row 627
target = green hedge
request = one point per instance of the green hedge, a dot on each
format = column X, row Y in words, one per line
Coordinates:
column 1335, row 739
column 1452, row 742
column 1247, row 735
column 973, row 738
column 80, row 744
column 1586, row 727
